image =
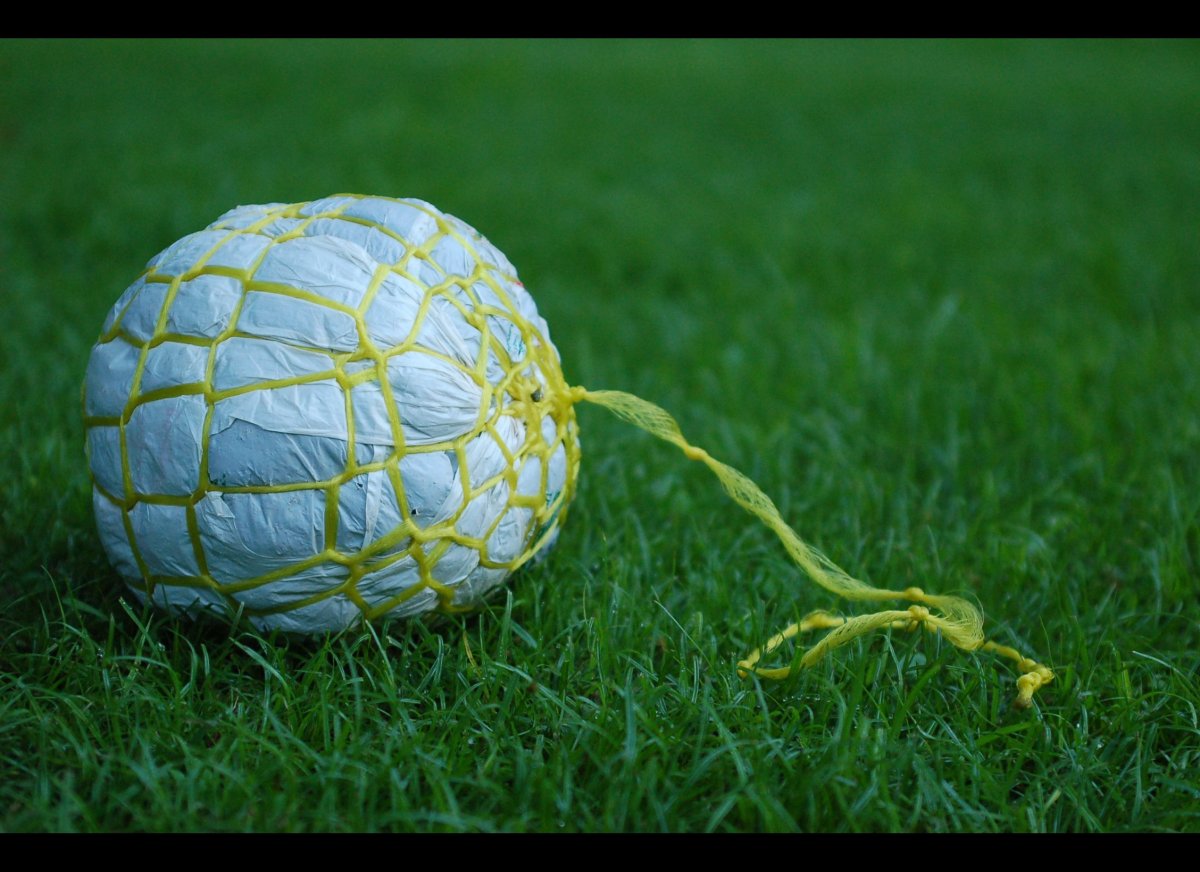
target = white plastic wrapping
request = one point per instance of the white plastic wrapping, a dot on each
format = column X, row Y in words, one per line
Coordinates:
column 301, row 412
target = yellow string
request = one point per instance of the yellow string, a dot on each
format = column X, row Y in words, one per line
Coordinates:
column 958, row 620
column 520, row 395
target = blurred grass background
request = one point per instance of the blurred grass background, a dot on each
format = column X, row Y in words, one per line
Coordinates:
column 941, row 300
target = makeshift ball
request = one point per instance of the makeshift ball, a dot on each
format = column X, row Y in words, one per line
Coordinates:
column 319, row 413
column 322, row 413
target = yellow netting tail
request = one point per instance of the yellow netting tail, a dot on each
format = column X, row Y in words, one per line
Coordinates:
column 958, row 620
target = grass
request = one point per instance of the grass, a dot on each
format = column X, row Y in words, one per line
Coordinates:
column 940, row 300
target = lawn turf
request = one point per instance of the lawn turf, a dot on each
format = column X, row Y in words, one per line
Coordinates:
column 940, row 300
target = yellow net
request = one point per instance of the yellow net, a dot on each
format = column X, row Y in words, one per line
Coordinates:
column 514, row 379
column 524, row 406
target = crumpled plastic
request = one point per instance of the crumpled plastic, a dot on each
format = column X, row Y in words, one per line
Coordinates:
column 321, row 413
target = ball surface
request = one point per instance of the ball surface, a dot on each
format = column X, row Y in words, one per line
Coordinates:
column 320, row 413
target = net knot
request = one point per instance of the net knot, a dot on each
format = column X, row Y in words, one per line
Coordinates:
column 917, row 615
column 1030, row 682
column 914, row 593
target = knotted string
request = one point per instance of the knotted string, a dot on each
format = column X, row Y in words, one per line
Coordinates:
column 957, row 620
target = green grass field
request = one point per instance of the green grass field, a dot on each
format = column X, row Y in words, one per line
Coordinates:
column 940, row 300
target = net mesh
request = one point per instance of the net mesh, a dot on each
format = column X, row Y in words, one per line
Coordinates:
column 365, row 383
column 371, row 379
